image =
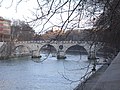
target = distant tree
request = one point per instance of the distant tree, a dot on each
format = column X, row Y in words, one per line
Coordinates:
column 38, row 37
column 21, row 31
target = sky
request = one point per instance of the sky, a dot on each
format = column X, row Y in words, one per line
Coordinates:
column 9, row 10
column 25, row 11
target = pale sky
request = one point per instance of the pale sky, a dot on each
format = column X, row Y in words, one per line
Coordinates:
column 24, row 11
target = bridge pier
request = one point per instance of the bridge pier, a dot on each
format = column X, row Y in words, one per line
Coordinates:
column 36, row 54
column 92, row 55
column 61, row 55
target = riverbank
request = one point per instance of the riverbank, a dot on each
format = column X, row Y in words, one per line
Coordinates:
column 106, row 78
column 91, row 81
column 13, row 56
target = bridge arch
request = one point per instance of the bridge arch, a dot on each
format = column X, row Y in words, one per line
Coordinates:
column 22, row 49
column 49, row 47
column 106, row 51
column 78, row 48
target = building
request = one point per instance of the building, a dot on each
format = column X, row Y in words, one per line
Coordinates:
column 5, row 29
column 53, row 34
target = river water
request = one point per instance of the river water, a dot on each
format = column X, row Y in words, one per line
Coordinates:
column 33, row 74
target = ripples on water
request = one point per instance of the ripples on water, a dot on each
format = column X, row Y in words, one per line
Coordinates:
column 25, row 74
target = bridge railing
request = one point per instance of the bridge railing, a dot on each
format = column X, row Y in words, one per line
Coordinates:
column 55, row 42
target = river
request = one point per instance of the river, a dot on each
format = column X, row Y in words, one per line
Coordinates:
column 34, row 74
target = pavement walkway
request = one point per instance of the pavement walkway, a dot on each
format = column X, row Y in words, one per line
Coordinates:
column 106, row 78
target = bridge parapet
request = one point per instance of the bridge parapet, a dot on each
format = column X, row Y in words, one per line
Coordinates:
column 56, row 42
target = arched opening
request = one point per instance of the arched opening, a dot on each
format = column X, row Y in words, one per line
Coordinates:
column 106, row 52
column 76, row 49
column 48, row 50
column 76, row 53
column 21, row 50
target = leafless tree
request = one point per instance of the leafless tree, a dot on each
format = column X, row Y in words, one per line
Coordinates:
column 101, row 15
column 68, row 13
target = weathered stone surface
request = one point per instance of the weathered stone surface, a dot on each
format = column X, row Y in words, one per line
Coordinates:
column 110, row 80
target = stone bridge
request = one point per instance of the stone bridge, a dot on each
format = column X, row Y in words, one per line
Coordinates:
column 34, row 47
